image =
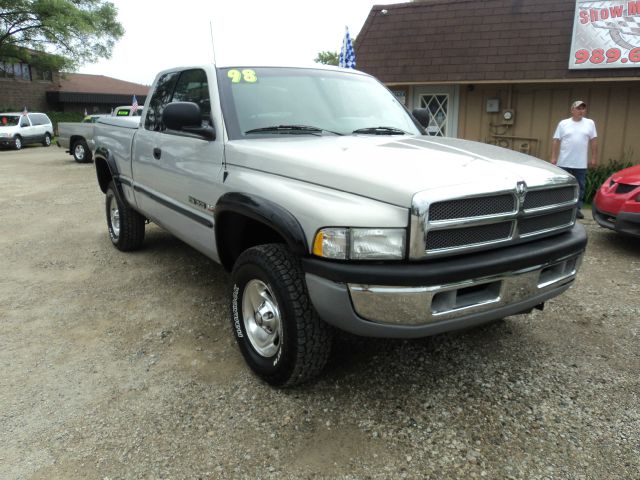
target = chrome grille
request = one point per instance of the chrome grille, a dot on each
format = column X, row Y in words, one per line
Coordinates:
column 472, row 207
column 550, row 196
column 471, row 222
column 457, row 237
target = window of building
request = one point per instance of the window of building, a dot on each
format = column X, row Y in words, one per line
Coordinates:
column 15, row 70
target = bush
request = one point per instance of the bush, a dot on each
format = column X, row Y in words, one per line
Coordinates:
column 597, row 176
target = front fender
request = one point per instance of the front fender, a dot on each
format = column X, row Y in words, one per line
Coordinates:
column 268, row 213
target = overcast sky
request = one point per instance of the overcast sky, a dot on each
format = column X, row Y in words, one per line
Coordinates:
column 162, row 34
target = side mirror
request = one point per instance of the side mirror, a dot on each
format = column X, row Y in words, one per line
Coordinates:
column 422, row 116
column 186, row 117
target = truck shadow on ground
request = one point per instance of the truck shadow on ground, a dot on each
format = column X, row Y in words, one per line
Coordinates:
column 479, row 352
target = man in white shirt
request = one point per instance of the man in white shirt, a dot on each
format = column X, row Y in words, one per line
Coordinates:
column 571, row 142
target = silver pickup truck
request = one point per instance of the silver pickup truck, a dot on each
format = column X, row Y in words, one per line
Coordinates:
column 322, row 196
column 77, row 137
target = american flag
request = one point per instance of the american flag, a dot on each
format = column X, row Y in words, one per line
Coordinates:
column 134, row 105
column 347, row 57
column 24, row 111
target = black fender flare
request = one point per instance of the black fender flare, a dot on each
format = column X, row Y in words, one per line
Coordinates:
column 102, row 157
column 268, row 213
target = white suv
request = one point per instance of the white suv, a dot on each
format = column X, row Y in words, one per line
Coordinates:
column 17, row 129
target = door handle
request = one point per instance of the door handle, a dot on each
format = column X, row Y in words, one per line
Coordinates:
column 157, row 153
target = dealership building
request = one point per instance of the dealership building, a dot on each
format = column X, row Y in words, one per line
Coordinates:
column 506, row 71
column 24, row 85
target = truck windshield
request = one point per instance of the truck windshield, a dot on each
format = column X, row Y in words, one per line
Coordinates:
column 259, row 102
column 9, row 120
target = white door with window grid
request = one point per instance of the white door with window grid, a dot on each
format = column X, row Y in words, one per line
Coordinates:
column 441, row 103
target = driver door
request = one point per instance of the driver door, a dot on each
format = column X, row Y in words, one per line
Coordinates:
column 177, row 174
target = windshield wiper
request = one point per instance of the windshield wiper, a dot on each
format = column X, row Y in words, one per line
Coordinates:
column 291, row 129
column 381, row 131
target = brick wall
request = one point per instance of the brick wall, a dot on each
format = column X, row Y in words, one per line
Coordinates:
column 16, row 93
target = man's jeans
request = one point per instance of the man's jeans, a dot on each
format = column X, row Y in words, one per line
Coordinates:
column 581, row 176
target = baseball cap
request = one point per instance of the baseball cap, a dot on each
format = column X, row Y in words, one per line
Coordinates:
column 577, row 103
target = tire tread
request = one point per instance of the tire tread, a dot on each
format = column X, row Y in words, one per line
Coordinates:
column 314, row 336
column 132, row 225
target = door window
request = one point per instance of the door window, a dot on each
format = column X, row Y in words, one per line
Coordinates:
column 186, row 86
column 193, row 87
column 161, row 96
column 438, row 108
column 24, row 122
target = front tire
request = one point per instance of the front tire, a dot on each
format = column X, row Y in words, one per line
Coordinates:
column 125, row 225
column 47, row 140
column 277, row 329
column 17, row 142
column 81, row 152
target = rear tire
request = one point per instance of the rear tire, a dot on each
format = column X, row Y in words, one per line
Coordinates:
column 277, row 329
column 125, row 225
column 47, row 140
column 81, row 152
column 17, row 142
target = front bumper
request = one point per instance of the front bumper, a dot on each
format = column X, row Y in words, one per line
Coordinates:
column 448, row 294
column 626, row 223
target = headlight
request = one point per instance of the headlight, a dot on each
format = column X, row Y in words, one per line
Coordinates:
column 360, row 243
column 5, row 134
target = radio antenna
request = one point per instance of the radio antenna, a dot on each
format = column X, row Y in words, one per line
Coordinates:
column 213, row 47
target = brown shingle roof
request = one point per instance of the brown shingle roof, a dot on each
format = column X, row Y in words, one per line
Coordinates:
column 459, row 41
column 85, row 83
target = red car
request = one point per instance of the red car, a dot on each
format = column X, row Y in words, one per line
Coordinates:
column 617, row 203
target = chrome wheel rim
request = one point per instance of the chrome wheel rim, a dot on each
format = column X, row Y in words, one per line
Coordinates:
column 79, row 152
column 47, row 140
column 18, row 143
column 114, row 216
column 261, row 316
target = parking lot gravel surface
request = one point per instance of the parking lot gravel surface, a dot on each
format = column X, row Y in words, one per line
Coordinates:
column 123, row 366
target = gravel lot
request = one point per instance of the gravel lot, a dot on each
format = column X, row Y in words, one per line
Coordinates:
column 123, row 366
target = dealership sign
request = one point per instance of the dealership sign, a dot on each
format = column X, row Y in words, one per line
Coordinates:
column 606, row 34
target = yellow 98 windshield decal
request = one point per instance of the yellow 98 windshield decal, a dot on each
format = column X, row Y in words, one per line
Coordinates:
column 246, row 75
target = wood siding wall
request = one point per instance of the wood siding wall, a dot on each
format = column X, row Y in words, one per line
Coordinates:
column 614, row 107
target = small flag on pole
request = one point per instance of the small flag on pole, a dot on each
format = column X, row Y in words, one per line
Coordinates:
column 85, row 112
column 24, row 111
column 347, row 57
column 134, row 105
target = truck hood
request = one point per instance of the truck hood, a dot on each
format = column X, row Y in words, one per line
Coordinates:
column 392, row 169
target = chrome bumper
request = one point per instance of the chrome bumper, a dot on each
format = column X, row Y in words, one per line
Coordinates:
column 415, row 306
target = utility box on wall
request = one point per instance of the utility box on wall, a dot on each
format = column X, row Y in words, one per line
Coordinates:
column 493, row 105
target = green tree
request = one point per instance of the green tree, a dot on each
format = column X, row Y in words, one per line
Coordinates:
column 327, row 58
column 70, row 32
